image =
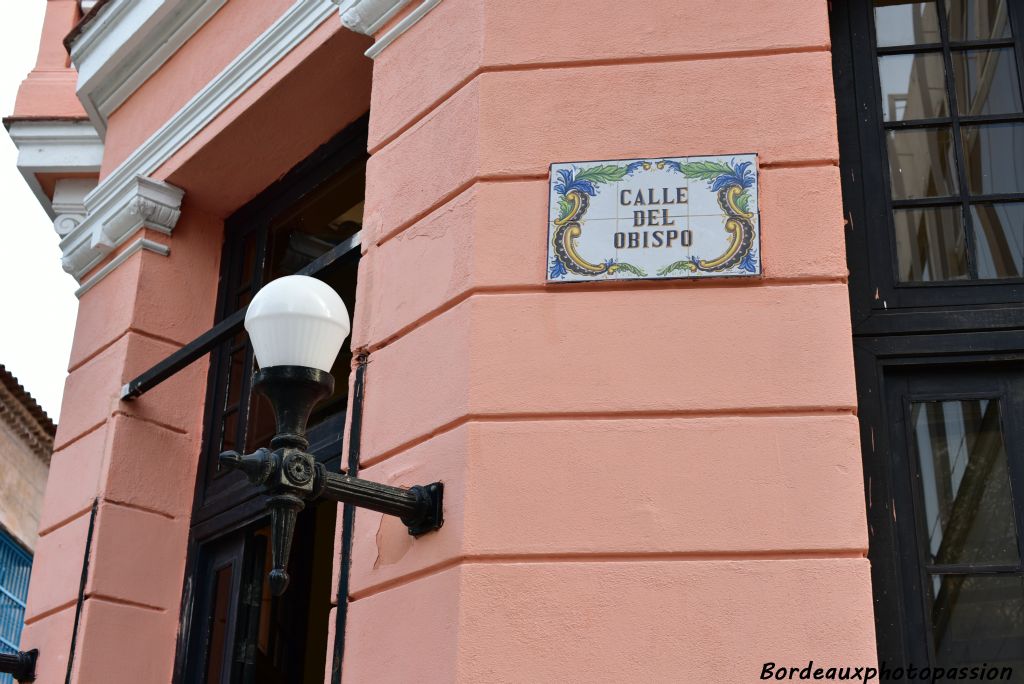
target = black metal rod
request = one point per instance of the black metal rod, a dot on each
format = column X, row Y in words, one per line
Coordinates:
column 224, row 330
column 373, row 495
column 183, row 357
column 20, row 665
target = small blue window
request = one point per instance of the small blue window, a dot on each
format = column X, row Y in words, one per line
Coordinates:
column 15, row 566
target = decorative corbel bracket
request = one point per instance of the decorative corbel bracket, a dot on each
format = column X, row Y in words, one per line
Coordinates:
column 369, row 17
column 69, row 203
column 113, row 220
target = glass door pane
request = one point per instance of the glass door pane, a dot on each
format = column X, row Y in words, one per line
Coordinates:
column 958, row 510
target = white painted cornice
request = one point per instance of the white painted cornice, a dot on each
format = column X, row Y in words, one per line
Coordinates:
column 141, row 203
column 128, row 199
column 369, row 16
column 121, row 48
column 57, row 147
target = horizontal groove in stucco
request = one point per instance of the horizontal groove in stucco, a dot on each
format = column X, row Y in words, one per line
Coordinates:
column 489, row 156
column 567, row 288
column 380, row 141
column 664, row 557
column 791, row 411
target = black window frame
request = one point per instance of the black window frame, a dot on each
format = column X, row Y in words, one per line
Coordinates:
column 937, row 328
column 216, row 496
column 866, row 181
column 234, row 506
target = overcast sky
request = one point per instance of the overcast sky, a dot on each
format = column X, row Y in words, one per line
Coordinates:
column 37, row 300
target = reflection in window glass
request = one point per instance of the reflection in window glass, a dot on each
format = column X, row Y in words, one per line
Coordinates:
column 965, row 482
column 229, row 432
column 219, row 624
column 979, row 620
column 898, row 22
column 930, row 244
column 913, row 86
column 977, row 19
column 999, row 239
column 994, row 158
column 986, row 82
column 921, row 163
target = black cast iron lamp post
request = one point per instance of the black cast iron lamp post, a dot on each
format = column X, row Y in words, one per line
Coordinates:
column 297, row 325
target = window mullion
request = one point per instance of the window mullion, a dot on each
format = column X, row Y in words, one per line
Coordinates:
column 958, row 146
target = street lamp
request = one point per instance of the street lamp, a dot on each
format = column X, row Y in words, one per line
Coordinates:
column 297, row 325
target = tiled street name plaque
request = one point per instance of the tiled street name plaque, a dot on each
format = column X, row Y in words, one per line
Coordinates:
column 677, row 217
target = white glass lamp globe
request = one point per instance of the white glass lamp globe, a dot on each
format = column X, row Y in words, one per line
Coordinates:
column 297, row 321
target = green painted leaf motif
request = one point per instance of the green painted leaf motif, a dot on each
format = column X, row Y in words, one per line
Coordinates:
column 607, row 173
column 630, row 268
column 705, row 170
column 677, row 266
column 743, row 202
column 563, row 208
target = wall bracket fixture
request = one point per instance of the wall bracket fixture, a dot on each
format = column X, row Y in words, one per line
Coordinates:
column 20, row 665
column 297, row 325
column 291, row 476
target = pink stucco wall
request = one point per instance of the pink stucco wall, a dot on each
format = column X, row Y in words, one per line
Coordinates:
column 139, row 459
column 48, row 92
column 644, row 481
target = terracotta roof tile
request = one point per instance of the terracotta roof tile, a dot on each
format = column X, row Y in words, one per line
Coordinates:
column 25, row 416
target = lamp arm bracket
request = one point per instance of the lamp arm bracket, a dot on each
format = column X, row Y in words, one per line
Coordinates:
column 21, row 665
column 420, row 507
column 284, row 471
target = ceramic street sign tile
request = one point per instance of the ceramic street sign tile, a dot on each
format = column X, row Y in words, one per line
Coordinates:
column 676, row 217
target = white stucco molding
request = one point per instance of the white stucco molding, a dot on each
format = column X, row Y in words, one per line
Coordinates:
column 141, row 203
column 126, row 43
column 368, row 16
column 69, row 203
column 55, row 147
column 122, row 256
column 127, row 198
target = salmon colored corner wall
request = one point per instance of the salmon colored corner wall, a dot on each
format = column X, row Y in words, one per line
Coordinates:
column 644, row 481
column 49, row 90
column 137, row 461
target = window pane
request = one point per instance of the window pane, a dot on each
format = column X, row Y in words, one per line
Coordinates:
column 219, row 624
column 236, row 367
column 999, row 239
column 260, row 424
column 913, row 86
column 324, row 218
column 229, row 431
column 994, row 157
column 248, row 260
column 979, row 619
column 898, row 22
column 977, row 19
column 964, row 481
column 921, row 163
column 930, row 244
column 986, row 82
